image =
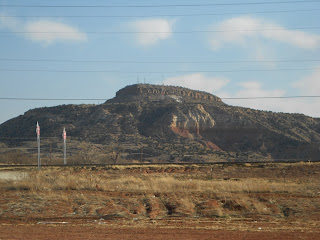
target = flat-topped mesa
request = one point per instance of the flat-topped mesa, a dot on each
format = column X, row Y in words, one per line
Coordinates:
column 158, row 92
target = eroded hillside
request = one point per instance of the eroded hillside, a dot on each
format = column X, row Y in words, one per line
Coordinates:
column 173, row 124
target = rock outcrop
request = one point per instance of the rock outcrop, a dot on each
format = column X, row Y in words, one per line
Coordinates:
column 156, row 92
column 190, row 123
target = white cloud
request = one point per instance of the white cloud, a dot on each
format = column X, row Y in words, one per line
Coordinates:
column 305, row 106
column 54, row 31
column 60, row 32
column 255, row 89
column 309, row 107
column 307, row 86
column 310, row 85
column 243, row 30
column 198, row 81
column 159, row 29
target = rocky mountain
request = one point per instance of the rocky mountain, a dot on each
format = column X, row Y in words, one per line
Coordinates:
column 173, row 124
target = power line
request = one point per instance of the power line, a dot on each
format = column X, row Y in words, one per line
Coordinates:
column 55, row 99
column 155, row 62
column 161, row 15
column 157, row 72
column 29, row 138
column 105, row 99
column 158, row 5
column 167, row 32
column 275, row 97
column 14, row 148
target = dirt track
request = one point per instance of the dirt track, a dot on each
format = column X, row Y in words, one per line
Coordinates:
column 58, row 231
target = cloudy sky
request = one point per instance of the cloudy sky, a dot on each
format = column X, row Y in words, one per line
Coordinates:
column 90, row 49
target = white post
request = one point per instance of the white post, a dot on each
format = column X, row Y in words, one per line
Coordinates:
column 38, row 140
column 64, row 136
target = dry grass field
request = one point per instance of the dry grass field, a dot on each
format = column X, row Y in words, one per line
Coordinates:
column 251, row 199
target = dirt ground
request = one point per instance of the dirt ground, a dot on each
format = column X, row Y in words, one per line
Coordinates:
column 167, row 230
column 95, row 213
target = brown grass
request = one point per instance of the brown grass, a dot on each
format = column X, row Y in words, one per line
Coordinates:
column 158, row 192
column 66, row 179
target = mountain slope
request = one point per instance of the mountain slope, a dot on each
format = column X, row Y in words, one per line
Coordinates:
column 173, row 124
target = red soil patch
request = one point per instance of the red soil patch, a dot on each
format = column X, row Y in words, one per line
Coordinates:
column 90, row 231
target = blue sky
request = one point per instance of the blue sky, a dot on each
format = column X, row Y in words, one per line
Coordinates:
column 240, row 50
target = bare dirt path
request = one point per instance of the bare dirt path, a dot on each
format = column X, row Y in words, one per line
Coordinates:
column 58, row 231
column 157, row 229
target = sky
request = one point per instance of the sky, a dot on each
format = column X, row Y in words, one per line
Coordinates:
column 68, row 49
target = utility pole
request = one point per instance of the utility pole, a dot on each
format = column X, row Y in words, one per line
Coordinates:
column 141, row 155
column 38, row 140
column 50, row 153
column 64, row 136
column 141, row 159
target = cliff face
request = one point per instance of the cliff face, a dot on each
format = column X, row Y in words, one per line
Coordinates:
column 189, row 123
column 175, row 123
